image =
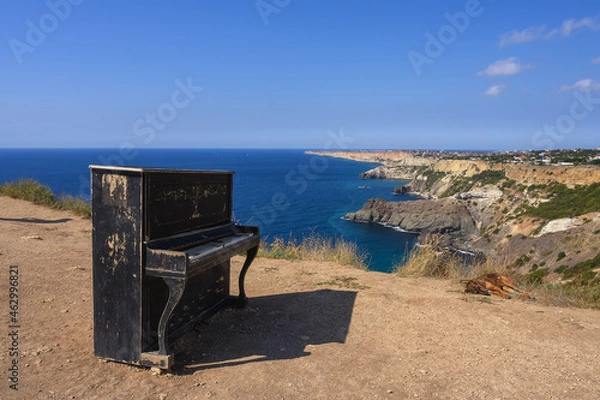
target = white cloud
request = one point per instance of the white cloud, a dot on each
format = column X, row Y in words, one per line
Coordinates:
column 495, row 90
column 524, row 36
column 566, row 29
column 596, row 60
column 510, row 66
column 583, row 85
column 571, row 25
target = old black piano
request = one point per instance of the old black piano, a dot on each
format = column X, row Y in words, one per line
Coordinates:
column 162, row 240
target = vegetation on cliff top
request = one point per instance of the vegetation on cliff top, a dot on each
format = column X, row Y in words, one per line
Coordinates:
column 35, row 192
column 567, row 202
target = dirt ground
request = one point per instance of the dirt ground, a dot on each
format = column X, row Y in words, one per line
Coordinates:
column 311, row 331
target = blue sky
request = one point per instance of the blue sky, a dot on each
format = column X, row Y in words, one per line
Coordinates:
column 488, row 74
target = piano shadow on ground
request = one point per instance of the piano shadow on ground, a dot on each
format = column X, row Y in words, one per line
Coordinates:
column 276, row 327
column 37, row 220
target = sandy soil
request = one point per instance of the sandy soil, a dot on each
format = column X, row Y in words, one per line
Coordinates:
column 312, row 331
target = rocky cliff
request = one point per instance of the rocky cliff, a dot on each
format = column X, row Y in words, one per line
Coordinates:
column 446, row 216
column 384, row 172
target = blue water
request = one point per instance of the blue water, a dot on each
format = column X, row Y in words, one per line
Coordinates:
column 285, row 192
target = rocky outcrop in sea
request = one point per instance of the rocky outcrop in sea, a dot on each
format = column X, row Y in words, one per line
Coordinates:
column 444, row 216
column 385, row 172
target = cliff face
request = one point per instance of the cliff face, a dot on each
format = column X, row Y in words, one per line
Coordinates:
column 446, row 216
column 568, row 175
column 386, row 157
column 466, row 168
column 422, row 183
column 383, row 172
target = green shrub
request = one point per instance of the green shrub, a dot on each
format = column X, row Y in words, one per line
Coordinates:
column 561, row 269
column 30, row 190
column 568, row 202
column 537, row 276
column 521, row 261
column 489, row 177
column 582, row 267
column 560, row 256
column 509, row 183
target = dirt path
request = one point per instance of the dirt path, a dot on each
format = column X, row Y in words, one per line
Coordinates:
column 312, row 331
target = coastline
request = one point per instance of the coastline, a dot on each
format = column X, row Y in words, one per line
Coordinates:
column 490, row 203
column 393, row 164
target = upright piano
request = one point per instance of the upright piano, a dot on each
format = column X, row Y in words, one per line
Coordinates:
column 162, row 240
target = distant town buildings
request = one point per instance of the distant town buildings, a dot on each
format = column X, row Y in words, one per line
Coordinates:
column 533, row 157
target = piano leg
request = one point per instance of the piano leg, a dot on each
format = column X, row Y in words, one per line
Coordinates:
column 162, row 358
column 250, row 254
column 176, row 289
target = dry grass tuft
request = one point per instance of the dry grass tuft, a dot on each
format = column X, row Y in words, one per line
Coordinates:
column 315, row 248
column 35, row 192
column 428, row 259
column 567, row 295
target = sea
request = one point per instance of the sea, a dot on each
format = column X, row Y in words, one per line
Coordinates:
column 287, row 193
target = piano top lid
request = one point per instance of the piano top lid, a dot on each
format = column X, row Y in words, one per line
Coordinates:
column 152, row 169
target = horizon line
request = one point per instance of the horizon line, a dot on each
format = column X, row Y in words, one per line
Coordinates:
column 292, row 148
